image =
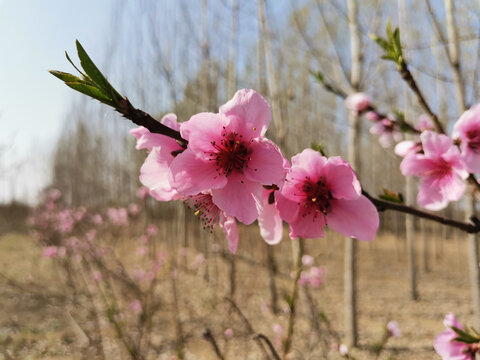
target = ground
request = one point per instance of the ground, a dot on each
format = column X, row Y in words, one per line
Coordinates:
column 34, row 323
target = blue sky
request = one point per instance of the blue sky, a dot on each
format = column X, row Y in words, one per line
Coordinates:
column 33, row 38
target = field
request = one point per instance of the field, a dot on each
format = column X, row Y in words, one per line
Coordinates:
column 35, row 320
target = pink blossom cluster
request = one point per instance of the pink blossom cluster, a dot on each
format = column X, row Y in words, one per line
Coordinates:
column 441, row 162
column 229, row 171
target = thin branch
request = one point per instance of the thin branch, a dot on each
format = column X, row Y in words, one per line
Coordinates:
column 207, row 335
column 269, row 344
column 382, row 205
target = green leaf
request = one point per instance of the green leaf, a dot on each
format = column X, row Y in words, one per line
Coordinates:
column 317, row 75
column 66, row 77
column 75, row 66
column 389, row 31
column 91, row 69
column 391, row 196
column 84, row 88
column 464, row 337
column 319, row 147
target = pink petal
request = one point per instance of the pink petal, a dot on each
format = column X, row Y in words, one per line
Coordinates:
column 287, row 209
column 416, row 164
column 430, row 197
column 201, row 130
column 309, row 226
column 229, row 226
column 266, row 163
column 471, row 160
column 435, row 144
column 404, row 147
column 154, row 174
column 354, row 218
column 239, row 197
column 250, row 113
column 191, row 175
column 448, row 349
column 341, row 179
column 269, row 221
column 309, row 160
column 170, row 120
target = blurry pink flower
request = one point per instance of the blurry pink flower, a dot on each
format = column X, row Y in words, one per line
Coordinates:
column 321, row 192
column 343, row 349
column 79, row 213
column 358, row 102
column 142, row 192
column 97, row 276
column 97, row 219
column 91, row 235
column 136, row 307
column 140, row 274
column 446, row 347
column 50, row 251
column 278, row 329
column 386, row 131
column 118, row 217
column 211, row 215
column 307, row 260
column 372, row 116
column 133, row 209
column 440, row 169
column 152, row 229
column 304, row 278
column 424, row 123
column 228, row 154
column 143, row 239
column 229, row 333
column 54, row 194
column 154, row 173
column 467, row 130
column 316, row 276
column 269, row 221
column 393, row 329
column 407, row 146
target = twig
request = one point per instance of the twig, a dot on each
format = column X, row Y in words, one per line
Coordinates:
column 383, row 205
column 269, row 344
column 248, row 325
column 207, row 335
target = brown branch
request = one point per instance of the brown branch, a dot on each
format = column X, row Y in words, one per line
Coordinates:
column 141, row 118
column 269, row 344
column 382, row 205
column 207, row 335
column 409, row 79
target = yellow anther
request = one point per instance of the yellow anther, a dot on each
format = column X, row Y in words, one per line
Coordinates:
column 197, row 212
column 314, row 199
column 254, row 128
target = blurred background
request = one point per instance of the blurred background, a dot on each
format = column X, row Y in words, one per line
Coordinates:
column 187, row 57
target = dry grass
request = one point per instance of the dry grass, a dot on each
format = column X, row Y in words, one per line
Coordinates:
column 33, row 325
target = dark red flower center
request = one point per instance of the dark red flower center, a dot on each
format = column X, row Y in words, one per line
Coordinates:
column 231, row 153
column 474, row 139
column 317, row 196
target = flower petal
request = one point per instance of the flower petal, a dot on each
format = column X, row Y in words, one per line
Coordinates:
column 239, row 197
column 249, row 113
column 341, row 179
column 154, row 174
column 191, row 175
column 269, row 221
column 229, row 226
column 266, row 163
column 435, row 144
column 201, row 130
column 354, row 218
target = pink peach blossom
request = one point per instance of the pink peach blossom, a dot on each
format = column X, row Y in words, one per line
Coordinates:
column 307, row 260
column 118, row 216
column 142, row 192
column 154, row 173
column 228, row 154
column 133, row 209
column 152, row 229
column 386, row 131
column 440, row 169
column 229, row 333
column 446, row 347
column 50, row 251
column 358, row 102
column 393, row 329
column 321, row 192
column 424, row 123
column 136, row 307
column 372, row 116
column 407, row 146
column 467, row 130
column 316, row 276
column 343, row 349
